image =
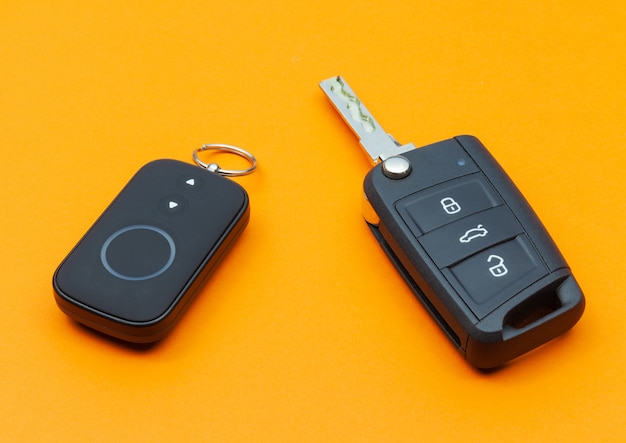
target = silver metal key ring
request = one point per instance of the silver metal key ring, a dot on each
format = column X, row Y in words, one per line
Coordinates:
column 214, row 167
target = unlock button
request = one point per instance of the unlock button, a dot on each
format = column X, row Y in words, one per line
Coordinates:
column 491, row 277
column 500, row 269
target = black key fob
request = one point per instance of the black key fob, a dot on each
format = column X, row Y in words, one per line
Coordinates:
column 474, row 252
column 464, row 239
column 142, row 262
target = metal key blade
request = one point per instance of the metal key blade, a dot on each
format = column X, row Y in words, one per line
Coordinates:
column 378, row 145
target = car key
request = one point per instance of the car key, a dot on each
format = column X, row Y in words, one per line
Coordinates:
column 140, row 265
column 464, row 239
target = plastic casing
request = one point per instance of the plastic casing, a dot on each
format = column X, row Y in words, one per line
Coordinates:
column 542, row 311
column 146, row 327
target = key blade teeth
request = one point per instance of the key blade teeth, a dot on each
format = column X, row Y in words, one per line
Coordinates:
column 374, row 140
column 342, row 96
column 349, row 106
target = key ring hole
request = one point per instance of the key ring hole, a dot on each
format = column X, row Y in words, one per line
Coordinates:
column 229, row 149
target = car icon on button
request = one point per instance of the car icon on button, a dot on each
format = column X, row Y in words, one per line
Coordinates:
column 473, row 233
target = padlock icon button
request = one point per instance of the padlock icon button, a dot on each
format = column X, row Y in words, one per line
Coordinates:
column 450, row 205
column 499, row 269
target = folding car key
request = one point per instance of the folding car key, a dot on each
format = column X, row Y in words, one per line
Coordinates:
column 465, row 240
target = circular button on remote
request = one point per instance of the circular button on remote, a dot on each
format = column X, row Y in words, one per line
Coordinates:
column 138, row 252
column 396, row 167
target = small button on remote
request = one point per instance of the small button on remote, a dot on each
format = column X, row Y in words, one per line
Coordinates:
column 490, row 278
column 143, row 261
column 445, row 203
column 456, row 241
column 464, row 239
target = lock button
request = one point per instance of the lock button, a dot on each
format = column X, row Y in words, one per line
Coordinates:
column 493, row 276
column 450, row 206
column 442, row 204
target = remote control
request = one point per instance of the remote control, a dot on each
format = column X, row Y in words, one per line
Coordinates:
column 140, row 265
column 465, row 240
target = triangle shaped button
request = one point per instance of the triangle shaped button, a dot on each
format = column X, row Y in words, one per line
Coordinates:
column 173, row 204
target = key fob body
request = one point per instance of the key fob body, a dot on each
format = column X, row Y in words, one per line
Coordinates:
column 143, row 261
column 472, row 249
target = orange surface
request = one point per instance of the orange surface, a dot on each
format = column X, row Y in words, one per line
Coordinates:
column 306, row 332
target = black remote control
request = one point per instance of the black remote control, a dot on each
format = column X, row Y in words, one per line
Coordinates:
column 464, row 239
column 142, row 262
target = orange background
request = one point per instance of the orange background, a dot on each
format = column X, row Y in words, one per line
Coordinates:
column 306, row 332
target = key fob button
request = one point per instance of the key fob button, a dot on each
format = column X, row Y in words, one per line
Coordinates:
column 138, row 252
column 456, row 241
column 489, row 278
column 190, row 182
column 173, row 204
column 396, row 167
column 448, row 202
